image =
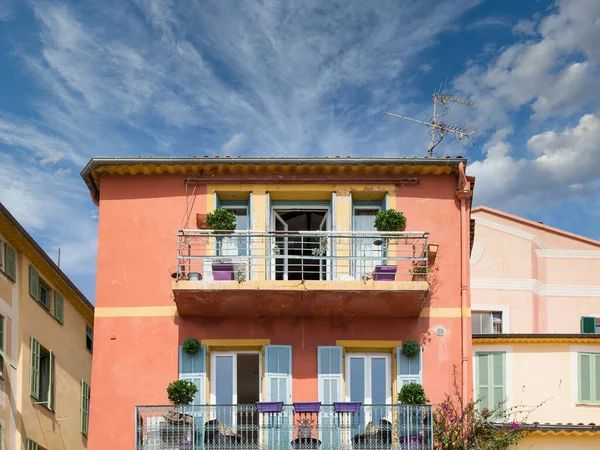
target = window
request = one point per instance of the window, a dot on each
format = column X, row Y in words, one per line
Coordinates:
column 41, row 375
column 32, row 445
column 89, row 337
column 8, row 261
column 589, row 377
column 590, row 325
column 488, row 322
column 85, row 407
column 490, row 379
column 2, row 320
column 38, row 288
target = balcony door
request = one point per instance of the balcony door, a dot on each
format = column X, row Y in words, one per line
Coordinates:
column 300, row 254
column 368, row 380
column 366, row 251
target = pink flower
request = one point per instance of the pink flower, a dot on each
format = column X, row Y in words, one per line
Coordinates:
column 515, row 425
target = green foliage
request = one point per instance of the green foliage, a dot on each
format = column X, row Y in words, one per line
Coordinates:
column 411, row 349
column 390, row 220
column 181, row 392
column 191, row 346
column 221, row 219
column 412, row 394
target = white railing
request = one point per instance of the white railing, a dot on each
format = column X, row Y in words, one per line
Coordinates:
column 304, row 255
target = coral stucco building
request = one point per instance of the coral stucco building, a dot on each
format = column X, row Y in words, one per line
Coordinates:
column 291, row 307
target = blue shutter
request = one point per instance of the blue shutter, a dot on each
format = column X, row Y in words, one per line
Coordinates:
column 193, row 368
column 330, row 363
column 278, row 373
column 408, row 370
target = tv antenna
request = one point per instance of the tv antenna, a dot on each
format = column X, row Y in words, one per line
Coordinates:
column 438, row 127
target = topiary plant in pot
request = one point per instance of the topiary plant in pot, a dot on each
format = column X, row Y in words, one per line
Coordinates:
column 221, row 221
column 180, row 393
column 413, row 394
column 388, row 221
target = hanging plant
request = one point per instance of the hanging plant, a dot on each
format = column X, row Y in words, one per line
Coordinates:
column 191, row 346
column 411, row 349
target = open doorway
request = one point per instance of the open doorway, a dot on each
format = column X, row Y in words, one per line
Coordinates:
column 303, row 256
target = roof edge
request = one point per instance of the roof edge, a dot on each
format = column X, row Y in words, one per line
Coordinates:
column 541, row 226
column 45, row 256
column 94, row 163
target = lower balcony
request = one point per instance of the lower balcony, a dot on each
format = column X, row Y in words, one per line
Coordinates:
column 282, row 427
column 302, row 273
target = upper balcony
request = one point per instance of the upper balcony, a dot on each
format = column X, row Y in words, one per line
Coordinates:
column 301, row 273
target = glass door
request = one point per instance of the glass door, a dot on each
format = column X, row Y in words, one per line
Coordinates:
column 280, row 249
column 364, row 249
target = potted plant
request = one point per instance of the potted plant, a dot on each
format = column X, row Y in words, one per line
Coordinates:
column 221, row 221
column 389, row 221
column 421, row 268
column 180, row 393
column 413, row 394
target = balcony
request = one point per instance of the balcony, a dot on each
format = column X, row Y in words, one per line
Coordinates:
column 216, row 427
column 301, row 273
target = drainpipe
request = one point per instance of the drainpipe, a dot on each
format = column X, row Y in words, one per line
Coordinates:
column 464, row 194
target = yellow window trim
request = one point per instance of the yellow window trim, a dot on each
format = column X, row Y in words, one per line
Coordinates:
column 360, row 344
column 236, row 344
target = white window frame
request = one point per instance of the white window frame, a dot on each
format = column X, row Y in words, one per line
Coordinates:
column 213, row 373
column 504, row 309
column 368, row 357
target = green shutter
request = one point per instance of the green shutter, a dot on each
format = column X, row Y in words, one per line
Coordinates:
column 596, row 396
column 588, row 325
column 483, row 380
column 34, row 369
column 59, row 308
column 51, row 382
column 31, row 445
column 10, row 262
column 2, row 320
column 85, row 407
column 34, row 283
column 498, row 377
column 585, row 377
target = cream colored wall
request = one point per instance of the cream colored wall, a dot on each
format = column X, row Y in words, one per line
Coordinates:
column 58, row 430
column 547, row 281
column 545, row 376
column 549, row 442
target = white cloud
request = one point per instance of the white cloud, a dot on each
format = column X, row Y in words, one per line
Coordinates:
column 525, row 27
column 234, row 144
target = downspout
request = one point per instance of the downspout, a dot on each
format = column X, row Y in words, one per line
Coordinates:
column 464, row 194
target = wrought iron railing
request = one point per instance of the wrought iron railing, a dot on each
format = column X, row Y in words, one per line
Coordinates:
column 325, row 256
column 243, row 427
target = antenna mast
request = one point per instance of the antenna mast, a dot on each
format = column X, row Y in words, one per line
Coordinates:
column 438, row 128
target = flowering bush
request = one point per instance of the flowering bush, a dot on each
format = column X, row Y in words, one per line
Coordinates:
column 468, row 428
column 422, row 267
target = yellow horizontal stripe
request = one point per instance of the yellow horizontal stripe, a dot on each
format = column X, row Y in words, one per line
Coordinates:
column 235, row 342
column 446, row 312
column 137, row 311
column 369, row 344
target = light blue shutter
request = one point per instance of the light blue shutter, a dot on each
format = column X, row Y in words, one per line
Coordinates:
column 408, row 370
column 193, row 368
column 278, row 373
column 329, row 363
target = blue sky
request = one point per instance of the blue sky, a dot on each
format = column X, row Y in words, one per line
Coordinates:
column 274, row 77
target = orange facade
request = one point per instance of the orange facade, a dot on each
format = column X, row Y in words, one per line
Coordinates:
column 138, row 330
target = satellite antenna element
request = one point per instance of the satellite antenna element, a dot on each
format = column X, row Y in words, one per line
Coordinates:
column 438, row 128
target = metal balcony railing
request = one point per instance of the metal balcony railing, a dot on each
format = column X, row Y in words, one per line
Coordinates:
column 324, row 256
column 220, row 427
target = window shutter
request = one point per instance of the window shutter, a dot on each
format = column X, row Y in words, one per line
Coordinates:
column 2, row 320
column 31, row 445
column 596, row 396
column 34, row 369
column 330, row 374
column 34, row 283
column 497, row 373
column 59, row 308
column 408, row 370
column 585, row 377
column 10, row 262
column 193, row 368
column 588, row 325
column 51, row 382
column 483, row 383
column 278, row 373
column 85, row 407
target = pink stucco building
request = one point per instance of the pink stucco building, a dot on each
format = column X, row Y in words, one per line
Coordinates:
column 536, row 326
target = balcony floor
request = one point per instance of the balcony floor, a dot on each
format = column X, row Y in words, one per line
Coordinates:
column 297, row 298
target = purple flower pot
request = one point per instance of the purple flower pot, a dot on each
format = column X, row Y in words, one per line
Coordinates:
column 347, row 407
column 385, row 273
column 269, row 407
column 223, row 271
column 307, row 407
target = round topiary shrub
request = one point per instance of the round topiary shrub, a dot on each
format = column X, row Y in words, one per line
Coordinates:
column 412, row 394
column 221, row 220
column 411, row 349
column 181, row 392
column 191, row 346
column 390, row 220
